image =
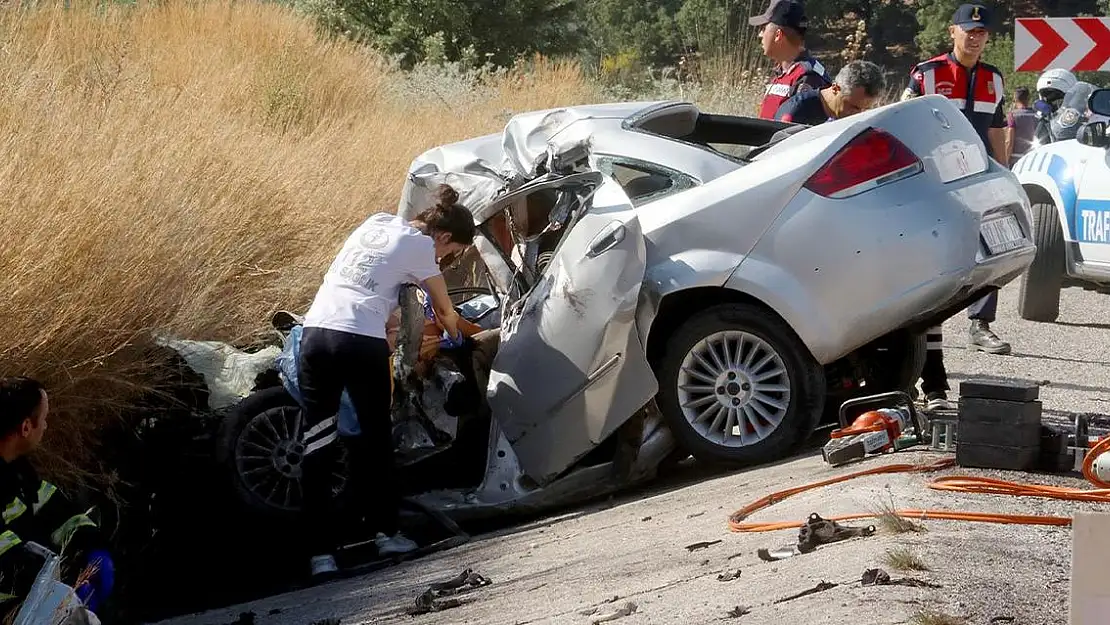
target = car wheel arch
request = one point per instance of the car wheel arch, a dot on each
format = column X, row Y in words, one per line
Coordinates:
column 678, row 306
column 1038, row 194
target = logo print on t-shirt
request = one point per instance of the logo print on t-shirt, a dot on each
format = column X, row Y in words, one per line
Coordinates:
column 375, row 238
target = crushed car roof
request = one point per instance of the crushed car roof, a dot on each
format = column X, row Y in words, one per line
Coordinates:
column 482, row 168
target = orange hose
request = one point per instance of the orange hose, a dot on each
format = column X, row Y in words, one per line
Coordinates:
column 957, row 483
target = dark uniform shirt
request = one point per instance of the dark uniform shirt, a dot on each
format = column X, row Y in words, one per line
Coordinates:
column 804, row 108
column 804, row 74
column 978, row 92
column 1024, row 123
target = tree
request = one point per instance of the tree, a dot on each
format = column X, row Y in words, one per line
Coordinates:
column 641, row 29
column 498, row 30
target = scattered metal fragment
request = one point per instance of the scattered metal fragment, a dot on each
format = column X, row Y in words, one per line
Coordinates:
column 735, row 555
column 702, row 545
column 728, row 577
column 739, row 611
column 821, row 587
column 879, row 577
column 875, row 577
column 818, row 531
column 695, row 515
column 647, row 518
column 778, row 554
column 431, row 600
column 815, row 532
column 1002, row 619
column 705, row 562
column 626, row 610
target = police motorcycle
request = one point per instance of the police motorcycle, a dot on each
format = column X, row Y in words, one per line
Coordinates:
column 1068, row 99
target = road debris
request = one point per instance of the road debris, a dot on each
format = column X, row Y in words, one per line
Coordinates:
column 702, row 545
column 627, row 609
column 814, row 532
column 879, row 577
column 728, row 577
column 593, row 610
column 431, row 600
column 821, row 587
column 739, row 611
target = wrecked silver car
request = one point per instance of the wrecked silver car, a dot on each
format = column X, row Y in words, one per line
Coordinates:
column 666, row 282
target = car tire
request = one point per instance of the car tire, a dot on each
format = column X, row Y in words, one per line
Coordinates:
column 891, row 363
column 772, row 339
column 266, row 404
column 1039, row 295
column 895, row 362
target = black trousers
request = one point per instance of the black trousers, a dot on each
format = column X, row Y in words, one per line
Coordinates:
column 331, row 362
column 934, row 378
column 985, row 308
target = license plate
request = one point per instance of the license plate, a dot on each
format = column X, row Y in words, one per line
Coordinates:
column 958, row 162
column 1002, row 234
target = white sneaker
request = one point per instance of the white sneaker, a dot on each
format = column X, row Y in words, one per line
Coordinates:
column 937, row 401
column 324, row 565
column 392, row 545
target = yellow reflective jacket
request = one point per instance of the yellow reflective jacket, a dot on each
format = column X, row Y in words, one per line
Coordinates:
column 36, row 511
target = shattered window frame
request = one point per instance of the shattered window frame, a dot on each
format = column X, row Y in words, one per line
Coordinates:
column 678, row 181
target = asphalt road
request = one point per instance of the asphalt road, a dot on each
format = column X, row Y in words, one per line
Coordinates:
column 635, row 548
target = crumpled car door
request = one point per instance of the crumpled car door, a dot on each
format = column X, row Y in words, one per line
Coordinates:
column 570, row 368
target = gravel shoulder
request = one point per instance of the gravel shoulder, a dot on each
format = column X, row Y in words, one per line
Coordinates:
column 634, row 548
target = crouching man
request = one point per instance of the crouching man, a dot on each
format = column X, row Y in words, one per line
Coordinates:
column 36, row 511
column 855, row 89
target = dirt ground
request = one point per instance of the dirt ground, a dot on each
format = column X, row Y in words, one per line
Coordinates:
column 634, row 548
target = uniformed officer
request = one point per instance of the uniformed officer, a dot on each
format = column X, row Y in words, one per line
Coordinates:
column 977, row 89
column 782, row 35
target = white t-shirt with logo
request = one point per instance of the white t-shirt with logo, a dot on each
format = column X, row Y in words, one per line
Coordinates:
column 362, row 286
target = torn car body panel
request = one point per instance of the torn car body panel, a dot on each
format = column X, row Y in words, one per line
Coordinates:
column 571, row 369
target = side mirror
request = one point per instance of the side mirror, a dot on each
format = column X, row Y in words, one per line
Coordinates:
column 1099, row 102
column 1093, row 134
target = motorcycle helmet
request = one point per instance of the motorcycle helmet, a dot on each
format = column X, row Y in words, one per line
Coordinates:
column 1053, row 84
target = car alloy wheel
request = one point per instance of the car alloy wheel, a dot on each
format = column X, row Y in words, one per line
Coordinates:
column 269, row 457
column 733, row 388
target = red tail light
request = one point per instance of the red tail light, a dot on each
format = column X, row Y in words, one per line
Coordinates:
column 873, row 158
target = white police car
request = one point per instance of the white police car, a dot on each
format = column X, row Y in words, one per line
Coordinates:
column 1068, row 183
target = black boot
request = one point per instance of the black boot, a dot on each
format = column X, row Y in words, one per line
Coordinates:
column 984, row 340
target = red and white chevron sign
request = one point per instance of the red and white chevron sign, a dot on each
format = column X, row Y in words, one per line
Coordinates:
column 1079, row 44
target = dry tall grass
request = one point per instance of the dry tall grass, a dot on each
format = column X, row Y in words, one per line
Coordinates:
column 189, row 167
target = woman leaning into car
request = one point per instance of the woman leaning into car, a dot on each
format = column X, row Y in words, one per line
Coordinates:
column 344, row 347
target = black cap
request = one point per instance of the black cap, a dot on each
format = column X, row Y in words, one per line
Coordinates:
column 971, row 16
column 789, row 13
